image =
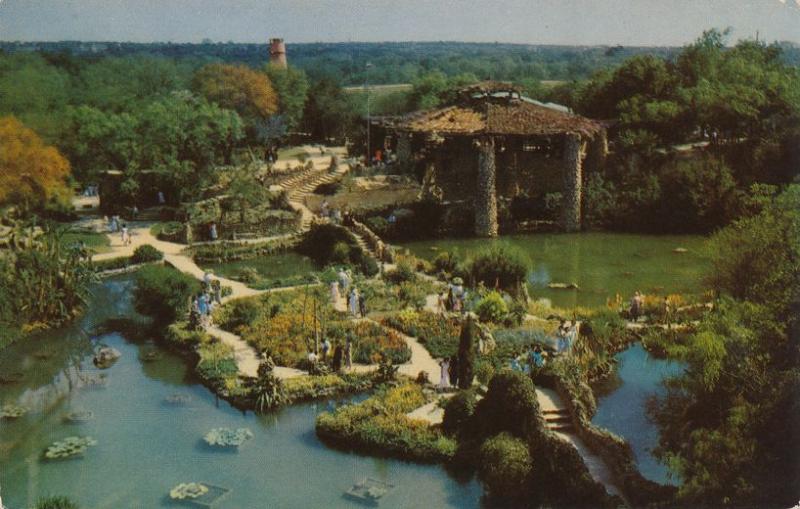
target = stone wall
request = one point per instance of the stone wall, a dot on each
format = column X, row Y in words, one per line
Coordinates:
column 574, row 152
column 486, row 195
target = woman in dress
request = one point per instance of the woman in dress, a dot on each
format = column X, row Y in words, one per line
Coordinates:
column 444, row 377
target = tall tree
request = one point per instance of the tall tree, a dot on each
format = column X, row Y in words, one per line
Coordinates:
column 291, row 86
column 32, row 174
column 239, row 88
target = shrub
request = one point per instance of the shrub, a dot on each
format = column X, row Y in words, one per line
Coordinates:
column 163, row 293
column 510, row 405
column 437, row 333
column 178, row 334
column 267, row 388
column 412, row 295
column 217, row 362
column 458, row 411
column 499, row 265
column 56, row 503
column 466, row 354
column 328, row 243
column 504, row 467
column 446, row 262
column 146, row 253
column 238, row 314
column 379, row 424
column 405, row 272
column 377, row 224
column 492, row 308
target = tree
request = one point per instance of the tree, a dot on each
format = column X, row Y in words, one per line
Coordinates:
column 728, row 423
column 163, row 293
column 237, row 87
column 466, row 353
column 32, row 174
column 291, row 86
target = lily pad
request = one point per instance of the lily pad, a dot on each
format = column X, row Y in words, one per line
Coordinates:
column 228, row 437
column 150, row 355
column 188, row 490
column 178, row 399
column 79, row 416
column 13, row 411
column 69, row 447
column 106, row 356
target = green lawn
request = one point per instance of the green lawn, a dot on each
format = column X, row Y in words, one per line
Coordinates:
column 96, row 242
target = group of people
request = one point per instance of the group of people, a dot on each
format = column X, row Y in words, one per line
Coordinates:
column 454, row 298
column 203, row 304
column 530, row 360
column 336, row 216
column 116, row 225
column 343, row 288
column 341, row 355
column 636, row 308
column 566, row 335
column 448, row 373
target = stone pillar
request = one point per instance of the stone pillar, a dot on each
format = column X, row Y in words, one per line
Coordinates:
column 597, row 152
column 486, row 193
column 574, row 150
column 403, row 148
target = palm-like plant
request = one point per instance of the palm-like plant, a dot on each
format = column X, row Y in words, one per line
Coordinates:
column 267, row 388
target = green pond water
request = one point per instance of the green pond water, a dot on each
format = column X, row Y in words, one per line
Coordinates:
column 621, row 406
column 601, row 264
column 279, row 266
column 146, row 447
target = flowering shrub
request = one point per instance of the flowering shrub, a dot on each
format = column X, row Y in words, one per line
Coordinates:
column 437, row 333
column 370, row 341
column 380, row 424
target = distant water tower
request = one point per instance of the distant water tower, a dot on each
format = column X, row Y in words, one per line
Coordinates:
column 277, row 53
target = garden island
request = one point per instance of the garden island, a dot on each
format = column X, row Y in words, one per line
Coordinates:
column 230, row 280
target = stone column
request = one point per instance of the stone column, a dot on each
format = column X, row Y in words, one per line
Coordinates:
column 486, row 193
column 574, row 150
column 403, row 148
column 597, row 152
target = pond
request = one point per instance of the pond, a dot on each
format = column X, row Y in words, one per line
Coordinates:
column 621, row 406
column 274, row 269
column 601, row 264
column 145, row 447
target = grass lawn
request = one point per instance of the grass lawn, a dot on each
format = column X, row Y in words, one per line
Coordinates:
column 95, row 242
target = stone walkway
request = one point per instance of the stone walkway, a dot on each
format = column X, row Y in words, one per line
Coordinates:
column 550, row 403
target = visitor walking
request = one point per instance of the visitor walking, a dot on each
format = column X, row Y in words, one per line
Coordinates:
column 212, row 231
column 354, row 302
column 338, row 353
column 362, row 305
column 126, row 236
column 334, row 293
column 453, row 370
column 561, row 337
column 537, row 357
column 207, row 279
column 444, row 376
column 348, row 353
column 441, row 302
column 161, row 199
column 636, row 306
column 344, row 281
column 326, row 348
column 216, row 287
column 134, row 212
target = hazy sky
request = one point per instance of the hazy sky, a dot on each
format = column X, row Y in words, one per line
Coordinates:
column 627, row 22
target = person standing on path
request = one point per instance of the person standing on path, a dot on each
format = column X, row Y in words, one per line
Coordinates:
column 216, row 287
column 334, row 292
column 326, row 348
column 362, row 305
column 126, row 236
column 354, row 302
column 444, row 375
column 337, row 357
column 212, row 231
column 348, row 353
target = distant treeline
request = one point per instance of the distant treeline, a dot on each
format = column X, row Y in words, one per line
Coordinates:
column 391, row 62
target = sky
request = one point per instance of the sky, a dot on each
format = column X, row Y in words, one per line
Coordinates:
column 573, row 22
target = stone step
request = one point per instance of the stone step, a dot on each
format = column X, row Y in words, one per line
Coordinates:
column 558, row 420
column 565, row 428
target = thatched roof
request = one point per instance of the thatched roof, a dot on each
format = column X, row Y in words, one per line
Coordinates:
column 497, row 109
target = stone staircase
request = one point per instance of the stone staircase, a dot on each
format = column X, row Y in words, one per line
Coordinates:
column 558, row 420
